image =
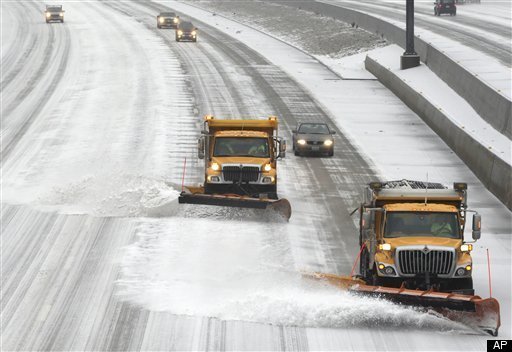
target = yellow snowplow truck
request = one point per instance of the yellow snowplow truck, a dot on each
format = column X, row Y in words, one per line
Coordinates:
column 412, row 235
column 240, row 160
column 413, row 252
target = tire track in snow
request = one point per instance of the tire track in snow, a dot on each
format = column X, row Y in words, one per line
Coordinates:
column 9, row 142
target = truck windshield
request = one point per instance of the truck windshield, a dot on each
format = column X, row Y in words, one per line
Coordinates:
column 241, row 146
column 413, row 224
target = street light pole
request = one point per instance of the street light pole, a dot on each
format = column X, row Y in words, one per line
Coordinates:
column 410, row 58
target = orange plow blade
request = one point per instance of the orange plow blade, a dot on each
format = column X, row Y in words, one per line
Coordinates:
column 473, row 311
column 197, row 196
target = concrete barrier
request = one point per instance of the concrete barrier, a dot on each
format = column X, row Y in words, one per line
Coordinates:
column 490, row 104
column 493, row 171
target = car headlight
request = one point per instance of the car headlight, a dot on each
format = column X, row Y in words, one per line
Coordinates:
column 161, row 19
column 328, row 142
column 193, row 33
column 175, row 20
column 385, row 247
column 215, row 167
column 267, row 167
column 48, row 14
column 466, row 248
column 301, row 142
column 180, row 32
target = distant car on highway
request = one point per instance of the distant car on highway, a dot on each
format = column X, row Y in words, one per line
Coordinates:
column 445, row 6
column 313, row 137
column 186, row 31
column 54, row 13
column 167, row 20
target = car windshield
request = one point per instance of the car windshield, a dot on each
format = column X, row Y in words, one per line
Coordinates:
column 413, row 224
column 241, row 146
column 314, row 128
column 168, row 14
column 187, row 26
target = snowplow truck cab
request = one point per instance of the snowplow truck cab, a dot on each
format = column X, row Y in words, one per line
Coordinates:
column 240, row 163
column 241, row 156
column 412, row 236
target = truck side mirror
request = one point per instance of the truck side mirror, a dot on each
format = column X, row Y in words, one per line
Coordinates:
column 200, row 148
column 333, row 132
column 477, row 226
column 365, row 221
column 282, row 148
column 294, row 130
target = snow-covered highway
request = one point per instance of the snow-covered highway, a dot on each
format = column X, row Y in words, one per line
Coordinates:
column 98, row 115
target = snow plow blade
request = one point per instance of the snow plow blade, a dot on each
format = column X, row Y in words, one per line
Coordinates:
column 473, row 311
column 196, row 196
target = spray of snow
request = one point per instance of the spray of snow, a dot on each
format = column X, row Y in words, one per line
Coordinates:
column 212, row 268
column 105, row 194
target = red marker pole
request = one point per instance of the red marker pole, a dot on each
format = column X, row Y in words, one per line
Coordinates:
column 489, row 272
column 183, row 176
column 358, row 256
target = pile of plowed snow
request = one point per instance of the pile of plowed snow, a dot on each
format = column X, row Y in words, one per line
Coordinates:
column 104, row 195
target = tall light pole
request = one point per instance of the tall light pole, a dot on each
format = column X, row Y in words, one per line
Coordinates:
column 410, row 58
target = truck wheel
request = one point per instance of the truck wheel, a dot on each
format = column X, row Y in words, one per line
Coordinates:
column 363, row 266
column 177, row 39
column 296, row 153
column 331, row 153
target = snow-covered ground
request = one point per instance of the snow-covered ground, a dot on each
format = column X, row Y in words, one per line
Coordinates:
column 117, row 264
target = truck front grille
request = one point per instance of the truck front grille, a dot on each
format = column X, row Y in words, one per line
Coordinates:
column 417, row 261
column 242, row 174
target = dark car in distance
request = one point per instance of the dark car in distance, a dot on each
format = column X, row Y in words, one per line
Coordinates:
column 445, row 6
column 54, row 13
column 313, row 137
column 186, row 31
column 167, row 20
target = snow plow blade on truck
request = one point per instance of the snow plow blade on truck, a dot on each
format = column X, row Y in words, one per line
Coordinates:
column 240, row 165
column 473, row 311
column 197, row 196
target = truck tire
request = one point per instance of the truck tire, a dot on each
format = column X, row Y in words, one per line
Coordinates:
column 364, row 262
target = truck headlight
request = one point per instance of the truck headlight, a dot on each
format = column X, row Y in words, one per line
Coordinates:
column 301, row 142
column 328, row 142
column 193, row 33
column 175, row 20
column 180, row 33
column 161, row 20
column 61, row 14
column 385, row 247
column 215, row 167
column 48, row 14
column 466, row 248
column 267, row 167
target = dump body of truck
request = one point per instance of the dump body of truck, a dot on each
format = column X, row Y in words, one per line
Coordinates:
column 240, row 163
column 412, row 235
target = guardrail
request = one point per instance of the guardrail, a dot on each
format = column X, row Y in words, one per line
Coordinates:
column 493, row 171
column 490, row 104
